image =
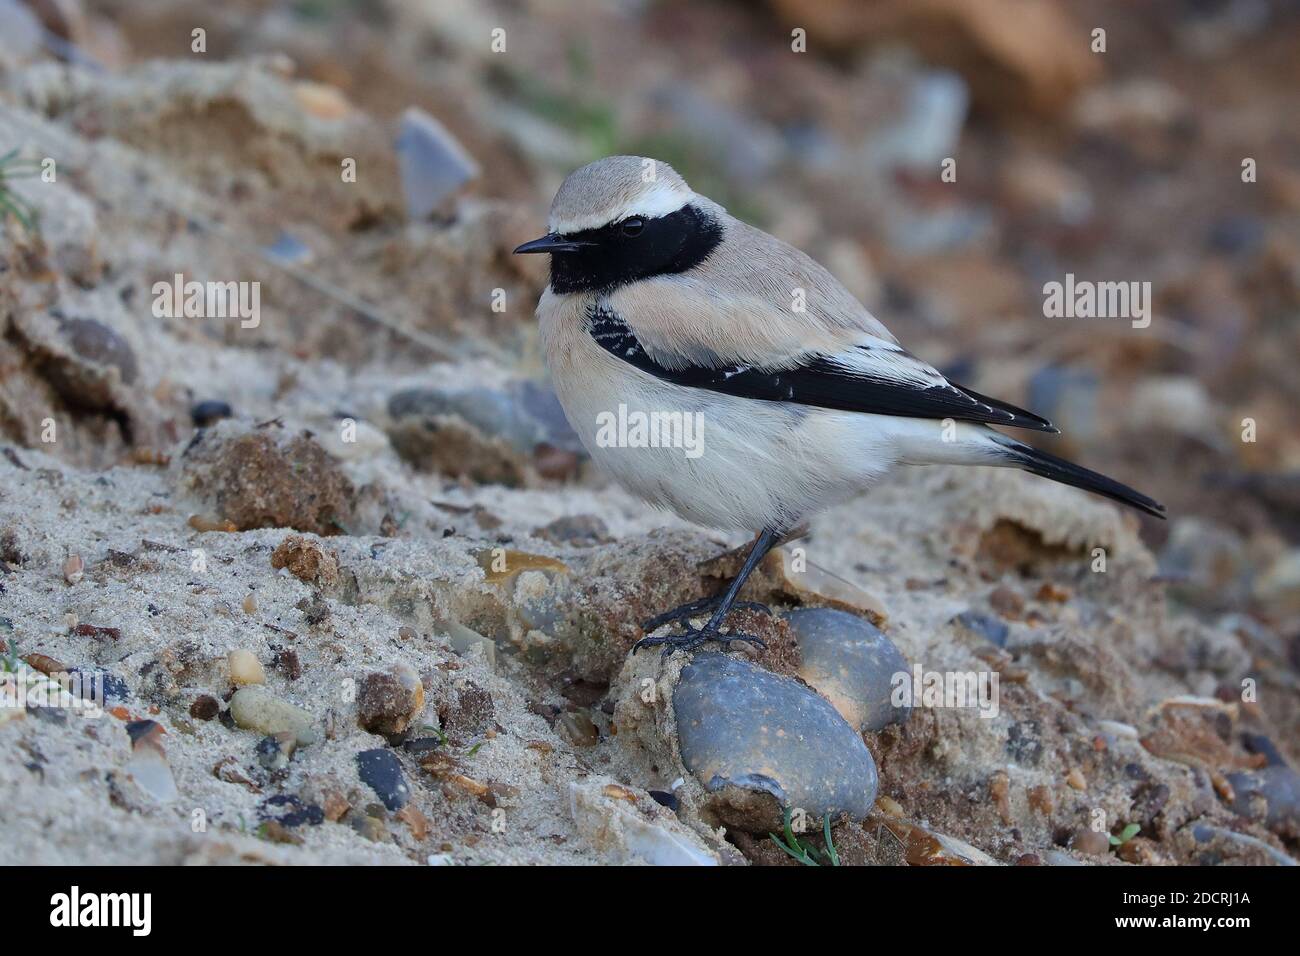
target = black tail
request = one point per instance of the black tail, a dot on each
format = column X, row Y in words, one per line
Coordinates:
column 1068, row 473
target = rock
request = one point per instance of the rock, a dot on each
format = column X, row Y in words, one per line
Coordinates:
column 929, row 129
column 288, row 249
column 268, row 478
column 205, row 707
column 484, row 433
column 925, row 847
column 74, row 569
column 245, row 668
column 209, row 412
column 622, row 833
column 382, row 771
column 1091, row 842
column 22, row 35
column 307, row 561
column 434, row 165
column 256, row 708
column 388, row 701
column 990, row 628
column 851, row 663
column 577, row 728
column 1039, row 65
column 470, row 643
column 1270, row 795
column 274, row 750
column 290, row 811
column 1067, row 397
column 581, row 531
column 759, row 743
column 148, row 765
column 1279, row 586
column 102, row 352
column 1262, row 852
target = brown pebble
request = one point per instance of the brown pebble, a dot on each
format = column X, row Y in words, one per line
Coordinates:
column 250, row 604
column 208, row 523
column 1000, row 791
column 407, row 633
column 277, row 832
column 335, row 806
column 889, row 805
column 387, row 701
column 94, row 630
column 1076, row 779
column 1028, row 859
column 45, row 664
column 1007, row 603
column 416, row 820
column 1040, row 799
column 287, row 663
column 74, row 569
column 1053, row 592
column 1091, row 842
column 205, row 707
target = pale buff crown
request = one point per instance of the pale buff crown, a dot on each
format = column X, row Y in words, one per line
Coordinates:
column 613, row 188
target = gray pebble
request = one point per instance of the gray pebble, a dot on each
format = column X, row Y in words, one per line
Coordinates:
column 850, row 662
column 381, row 769
column 759, row 742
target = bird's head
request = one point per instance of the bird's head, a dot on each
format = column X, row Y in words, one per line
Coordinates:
column 621, row 219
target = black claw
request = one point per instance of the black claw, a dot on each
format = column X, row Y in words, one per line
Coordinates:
column 692, row 638
column 694, row 609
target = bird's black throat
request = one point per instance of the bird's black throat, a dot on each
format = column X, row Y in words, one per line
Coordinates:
column 668, row 245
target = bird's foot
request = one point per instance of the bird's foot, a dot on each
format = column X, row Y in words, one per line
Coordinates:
column 696, row 608
column 692, row 637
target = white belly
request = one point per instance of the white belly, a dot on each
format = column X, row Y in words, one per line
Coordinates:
column 720, row 461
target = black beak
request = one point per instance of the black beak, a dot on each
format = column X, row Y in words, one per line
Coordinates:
column 551, row 243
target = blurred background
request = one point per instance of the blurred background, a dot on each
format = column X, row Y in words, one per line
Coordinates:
column 1112, row 141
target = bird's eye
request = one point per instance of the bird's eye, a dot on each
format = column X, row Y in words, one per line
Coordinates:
column 632, row 227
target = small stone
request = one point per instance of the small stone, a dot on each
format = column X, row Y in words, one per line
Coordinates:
column 245, row 668
column 256, row 708
column 759, row 743
column 388, row 701
column 1271, row 795
column 335, row 806
column 307, row 561
column 209, row 412
column 1091, row 842
column 291, row 811
column 287, row 663
column 407, row 633
column 984, row 625
column 578, row 729
column 621, row 833
column 371, row 828
column 274, row 750
column 74, row 569
column 1007, row 603
column 250, row 604
column 148, row 765
column 417, row 821
column 434, row 165
column 581, row 531
column 205, row 707
column 851, row 663
column 1076, row 779
column 382, row 771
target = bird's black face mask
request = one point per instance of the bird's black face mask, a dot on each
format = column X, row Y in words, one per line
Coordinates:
column 633, row 248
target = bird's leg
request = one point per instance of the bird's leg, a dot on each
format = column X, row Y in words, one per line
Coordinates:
column 692, row 637
column 694, row 609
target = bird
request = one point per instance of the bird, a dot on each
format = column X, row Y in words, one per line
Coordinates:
column 662, row 307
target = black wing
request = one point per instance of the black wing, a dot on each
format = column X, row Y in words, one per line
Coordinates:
column 822, row 382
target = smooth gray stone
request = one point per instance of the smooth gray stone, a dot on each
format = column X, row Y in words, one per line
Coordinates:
column 759, row 743
column 433, row 163
column 852, row 663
